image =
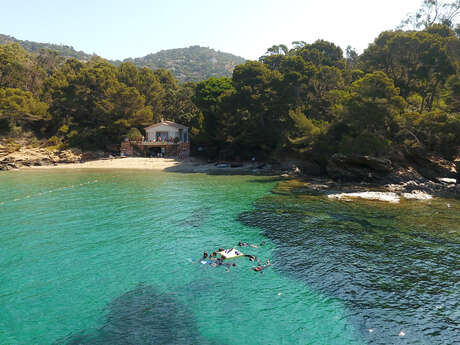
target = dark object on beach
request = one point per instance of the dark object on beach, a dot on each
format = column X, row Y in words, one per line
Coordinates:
column 236, row 165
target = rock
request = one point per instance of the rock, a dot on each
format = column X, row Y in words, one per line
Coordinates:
column 356, row 167
column 88, row 156
column 311, row 168
column 431, row 167
column 68, row 156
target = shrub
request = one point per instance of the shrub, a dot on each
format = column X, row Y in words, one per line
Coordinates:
column 134, row 135
column 366, row 144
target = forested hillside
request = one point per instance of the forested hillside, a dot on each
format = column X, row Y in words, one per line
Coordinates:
column 399, row 98
column 194, row 63
column 33, row 47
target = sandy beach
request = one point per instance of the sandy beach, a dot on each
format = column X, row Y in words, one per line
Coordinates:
column 164, row 164
column 119, row 163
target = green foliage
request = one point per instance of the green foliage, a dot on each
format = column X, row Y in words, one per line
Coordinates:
column 21, row 108
column 372, row 105
column 436, row 131
column 453, row 97
column 134, row 134
column 418, row 62
column 33, row 47
column 304, row 132
column 19, row 70
column 432, row 12
column 402, row 92
column 194, row 63
column 365, row 144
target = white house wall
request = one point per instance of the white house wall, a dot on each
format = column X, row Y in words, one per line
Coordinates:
column 172, row 132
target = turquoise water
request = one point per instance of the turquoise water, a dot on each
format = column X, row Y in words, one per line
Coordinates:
column 92, row 257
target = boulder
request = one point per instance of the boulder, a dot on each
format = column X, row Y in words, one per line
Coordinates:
column 357, row 167
column 311, row 168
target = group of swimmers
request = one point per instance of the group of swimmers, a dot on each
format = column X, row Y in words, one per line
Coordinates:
column 215, row 261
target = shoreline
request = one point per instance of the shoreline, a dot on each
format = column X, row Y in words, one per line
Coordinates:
column 189, row 165
column 390, row 189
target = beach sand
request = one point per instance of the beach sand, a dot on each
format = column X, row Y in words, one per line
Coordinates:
column 137, row 163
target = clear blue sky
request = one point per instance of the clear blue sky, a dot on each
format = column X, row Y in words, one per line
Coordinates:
column 118, row 29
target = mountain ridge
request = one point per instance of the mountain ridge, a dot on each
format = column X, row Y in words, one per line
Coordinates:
column 194, row 63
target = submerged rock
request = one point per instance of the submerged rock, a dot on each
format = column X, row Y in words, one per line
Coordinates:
column 143, row 316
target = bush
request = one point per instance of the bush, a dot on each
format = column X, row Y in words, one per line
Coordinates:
column 134, row 135
column 365, row 144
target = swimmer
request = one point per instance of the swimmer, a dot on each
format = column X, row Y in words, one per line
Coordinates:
column 205, row 254
column 261, row 268
column 252, row 258
column 245, row 244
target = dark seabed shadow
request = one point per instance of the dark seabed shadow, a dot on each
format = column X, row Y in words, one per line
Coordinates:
column 391, row 278
column 197, row 218
column 143, row 316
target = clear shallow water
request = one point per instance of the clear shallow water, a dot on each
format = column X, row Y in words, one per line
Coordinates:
column 104, row 258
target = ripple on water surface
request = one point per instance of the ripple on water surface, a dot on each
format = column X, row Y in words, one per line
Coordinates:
column 110, row 258
column 395, row 267
column 98, row 258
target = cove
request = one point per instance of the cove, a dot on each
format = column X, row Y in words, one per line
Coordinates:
column 110, row 257
column 82, row 251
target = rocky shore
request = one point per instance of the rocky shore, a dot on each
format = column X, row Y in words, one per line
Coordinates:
column 402, row 177
column 408, row 176
column 11, row 158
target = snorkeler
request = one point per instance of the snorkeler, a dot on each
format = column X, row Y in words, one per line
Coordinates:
column 245, row 244
column 252, row 258
column 261, row 268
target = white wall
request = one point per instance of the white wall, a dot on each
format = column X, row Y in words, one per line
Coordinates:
column 172, row 132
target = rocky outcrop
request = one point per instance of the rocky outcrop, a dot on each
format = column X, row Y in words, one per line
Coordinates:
column 30, row 156
column 431, row 167
column 357, row 167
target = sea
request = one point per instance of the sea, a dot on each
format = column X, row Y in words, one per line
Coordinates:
column 116, row 257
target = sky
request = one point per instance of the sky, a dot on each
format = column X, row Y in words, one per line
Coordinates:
column 118, row 29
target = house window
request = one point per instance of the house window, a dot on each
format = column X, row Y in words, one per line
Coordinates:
column 163, row 135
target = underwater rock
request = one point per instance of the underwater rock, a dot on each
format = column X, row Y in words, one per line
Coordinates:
column 143, row 316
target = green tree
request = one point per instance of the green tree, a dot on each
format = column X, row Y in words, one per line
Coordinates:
column 208, row 98
column 18, row 69
column 432, row 12
column 20, row 108
column 321, row 53
column 418, row 62
column 372, row 105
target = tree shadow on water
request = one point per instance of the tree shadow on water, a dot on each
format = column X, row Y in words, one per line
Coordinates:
column 143, row 316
